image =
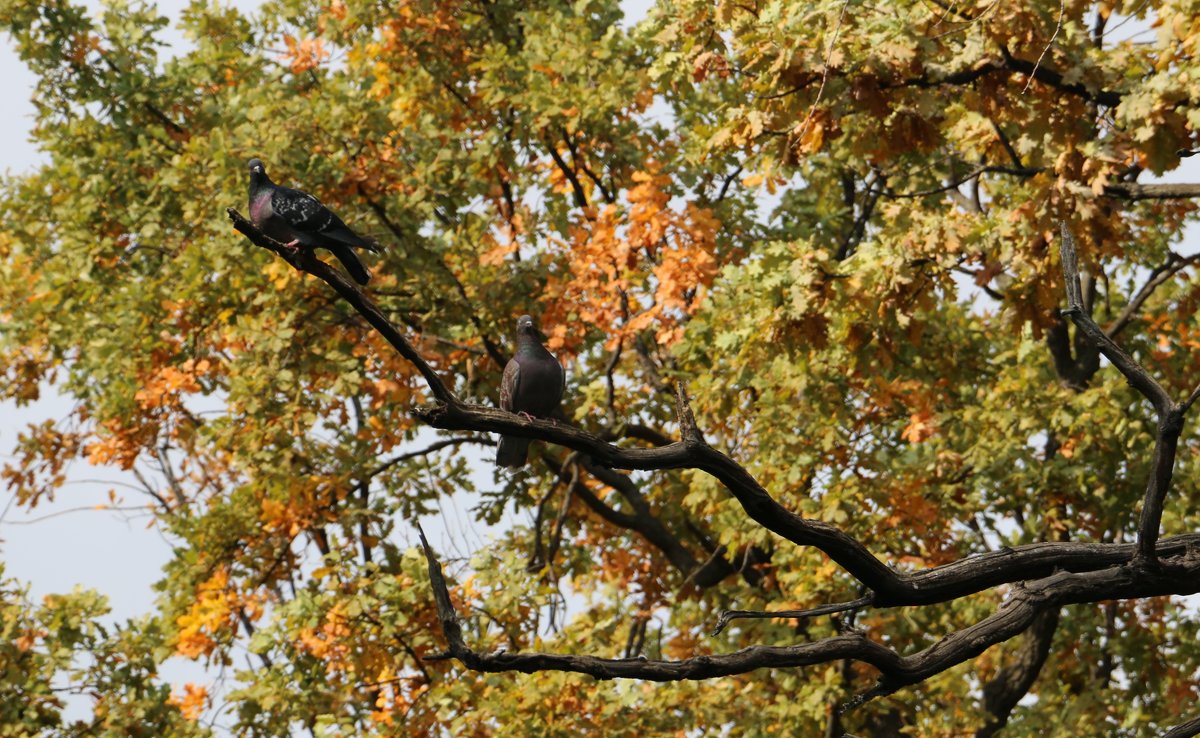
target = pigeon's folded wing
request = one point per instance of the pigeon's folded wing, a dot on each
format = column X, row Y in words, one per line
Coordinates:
column 508, row 384
column 300, row 210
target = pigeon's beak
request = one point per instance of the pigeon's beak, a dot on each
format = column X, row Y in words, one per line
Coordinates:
column 256, row 170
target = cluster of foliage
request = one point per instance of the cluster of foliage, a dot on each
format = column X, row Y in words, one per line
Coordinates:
column 832, row 221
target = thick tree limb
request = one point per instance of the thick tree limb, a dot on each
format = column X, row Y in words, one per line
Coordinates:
column 966, row 576
column 1179, row 575
column 1170, row 413
column 1185, row 730
column 1005, row 690
column 889, row 586
column 1075, row 368
column 1135, row 191
column 645, row 433
column 1064, row 573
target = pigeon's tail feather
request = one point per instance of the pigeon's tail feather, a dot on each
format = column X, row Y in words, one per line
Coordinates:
column 370, row 244
column 350, row 260
column 341, row 233
column 512, row 451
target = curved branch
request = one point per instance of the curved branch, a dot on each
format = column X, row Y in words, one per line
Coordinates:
column 642, row 521
column 1185, row 730
column 581, row 199
column 1137, row 376
column 1180, row 575
column 306, row 261
column 1170, row 413
column 1158, row 276
column 890, row 587
column 1005, row 690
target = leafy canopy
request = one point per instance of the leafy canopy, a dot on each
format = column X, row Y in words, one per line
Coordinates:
column 833, row 222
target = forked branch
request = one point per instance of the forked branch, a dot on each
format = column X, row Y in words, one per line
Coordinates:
column 1170, row 413
column 1013, row 617
column 1057, row 573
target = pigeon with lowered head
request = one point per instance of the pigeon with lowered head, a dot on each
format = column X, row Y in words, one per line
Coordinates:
column 297, row 219
column 532, row 384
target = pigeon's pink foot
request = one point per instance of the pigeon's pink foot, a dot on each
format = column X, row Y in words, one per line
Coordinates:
column 527, row 416
column 293, row 246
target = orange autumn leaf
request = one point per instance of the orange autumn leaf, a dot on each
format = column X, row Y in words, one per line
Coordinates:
column 214, row 609
column 644, row 267
column 304, row 54
column 920, row 427
column 191, row 701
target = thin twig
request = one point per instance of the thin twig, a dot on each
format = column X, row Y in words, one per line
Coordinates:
column 1158, row 276
column 730, row 615
column 837, row 29
column 1062, row 11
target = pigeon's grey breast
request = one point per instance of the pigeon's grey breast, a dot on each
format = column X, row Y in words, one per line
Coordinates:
column 539, row 385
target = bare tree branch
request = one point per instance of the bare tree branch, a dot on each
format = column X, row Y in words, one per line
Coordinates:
column 641, row 521
column 306, row 261
column 890, row 587
column 1135, row 191
column 581, row 199
column 1170, row 414
column 1185, row 730
column 1138, row 377
column 1005, row 690
column 581, row 163
column 1158, row 276
column 1180, row 575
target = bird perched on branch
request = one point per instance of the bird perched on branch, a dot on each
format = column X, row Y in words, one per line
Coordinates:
column 532, row 385
column 297, row 219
